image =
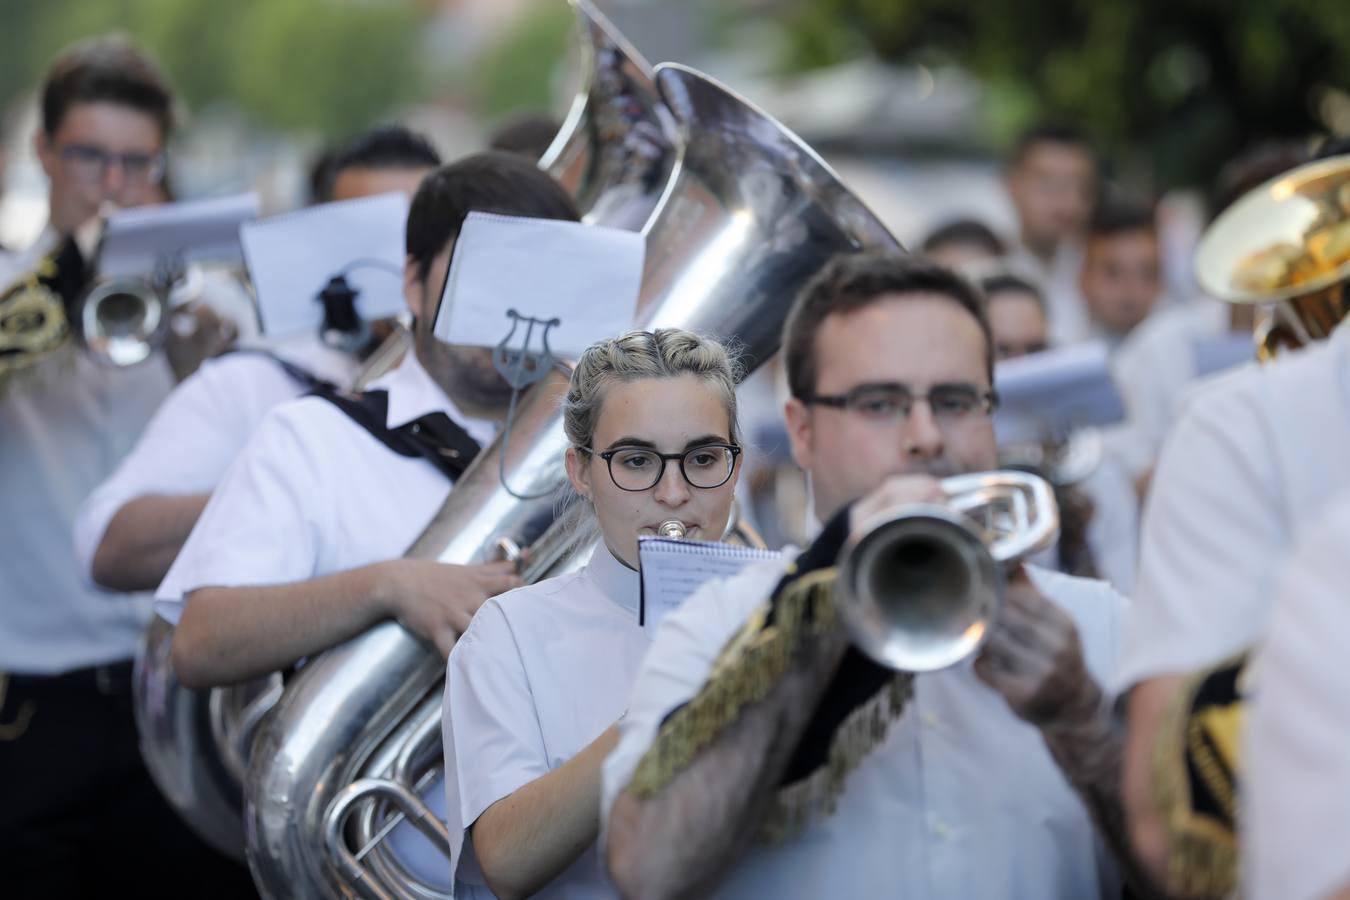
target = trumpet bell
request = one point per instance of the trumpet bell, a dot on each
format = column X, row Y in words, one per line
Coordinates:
column 918, row 590
column 122, row 321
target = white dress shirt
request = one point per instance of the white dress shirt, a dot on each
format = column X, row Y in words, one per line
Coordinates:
column 1113, row 530
column 200, row 428
column 313, row 493
column 1296, row 769
column 65, row 424
column 1153, row 368
column 539, row 675
column 961, row 800
column 1254, row 458
column 1066, row 311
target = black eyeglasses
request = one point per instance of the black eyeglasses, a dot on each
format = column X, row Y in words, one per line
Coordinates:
column 893, row 402
column 90, row 163
column 640, row 469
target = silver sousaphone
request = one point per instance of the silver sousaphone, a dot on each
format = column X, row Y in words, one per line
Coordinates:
column 748, row 215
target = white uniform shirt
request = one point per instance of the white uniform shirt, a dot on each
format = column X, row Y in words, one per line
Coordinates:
column 200, row 428
column 1153, row 369
column 1113, row 531
column 16, row 264
column 1296, row 770
column 961, row 800
column 1066, row 311
column 539, row 675
column 65, row 424
column 1255, row 457
column 313, row 493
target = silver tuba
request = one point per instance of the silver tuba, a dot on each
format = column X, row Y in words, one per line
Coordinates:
column 748, row 214
column 196, row 743
column 615, row 148
column 920, row 586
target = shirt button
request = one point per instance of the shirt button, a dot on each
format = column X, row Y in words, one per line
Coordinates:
column 930, row 719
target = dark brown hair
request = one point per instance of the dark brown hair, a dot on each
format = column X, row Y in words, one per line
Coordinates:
column 855, row 281
column 107, row 69
column 493, row 182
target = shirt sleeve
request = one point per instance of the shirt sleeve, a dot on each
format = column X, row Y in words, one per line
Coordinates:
column 263, row 522
column 675, row 668
column 184, row 450
column 1212, row 524
column 1296, row 788
column 493, row 742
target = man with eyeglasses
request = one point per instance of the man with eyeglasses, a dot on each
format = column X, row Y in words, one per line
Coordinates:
column 79, row 815
column 762, row 757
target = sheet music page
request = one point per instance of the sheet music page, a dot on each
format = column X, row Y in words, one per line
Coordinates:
column 199, row 230
column 586, row 276
column 292, row 256
column 672, row 570
column 1055, row 392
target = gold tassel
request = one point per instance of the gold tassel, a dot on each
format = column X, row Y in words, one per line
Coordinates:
column 1202, row 849
column 817, row 795
column 754, row 660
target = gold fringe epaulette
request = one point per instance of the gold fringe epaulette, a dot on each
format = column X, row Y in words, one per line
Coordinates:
column 32, row 322
column 1202, row 847
column 754, row 660
column 816, row 795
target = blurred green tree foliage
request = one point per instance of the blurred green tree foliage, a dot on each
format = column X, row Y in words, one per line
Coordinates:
column 1183, row 83
column 327, row 65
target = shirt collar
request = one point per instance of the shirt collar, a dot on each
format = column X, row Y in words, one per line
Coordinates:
column 413, row 394
column 616, row 581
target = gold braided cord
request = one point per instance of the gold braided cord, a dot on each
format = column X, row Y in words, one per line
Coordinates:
column 1202, row 849
column 752, row 663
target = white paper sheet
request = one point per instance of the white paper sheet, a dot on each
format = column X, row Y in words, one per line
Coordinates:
column 1055, row 392
column 586, row 276
column 291, row 258
column 195, row 231
column 672, row 570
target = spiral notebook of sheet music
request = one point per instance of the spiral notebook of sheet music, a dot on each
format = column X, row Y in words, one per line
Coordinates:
column 672, row 570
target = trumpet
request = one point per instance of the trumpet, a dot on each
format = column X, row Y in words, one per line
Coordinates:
column 919, row 587
column 124, row 320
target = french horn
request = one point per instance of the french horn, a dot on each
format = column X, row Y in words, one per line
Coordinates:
column 1285, row 243
column 748, row 214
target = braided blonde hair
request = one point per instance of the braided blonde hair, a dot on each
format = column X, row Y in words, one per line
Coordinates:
column 664, row 353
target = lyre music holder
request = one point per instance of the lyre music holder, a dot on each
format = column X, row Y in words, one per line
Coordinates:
column 521, row 367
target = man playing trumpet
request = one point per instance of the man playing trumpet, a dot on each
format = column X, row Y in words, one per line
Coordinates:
column 787, row 764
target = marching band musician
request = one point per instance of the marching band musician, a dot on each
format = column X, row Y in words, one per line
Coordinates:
column 130, row 529
column 1253, row 461
column 299, row 547
column 651, row 419
column 845, row 779
column 1098, row 513
column 1296, row 774
column 80, row 815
